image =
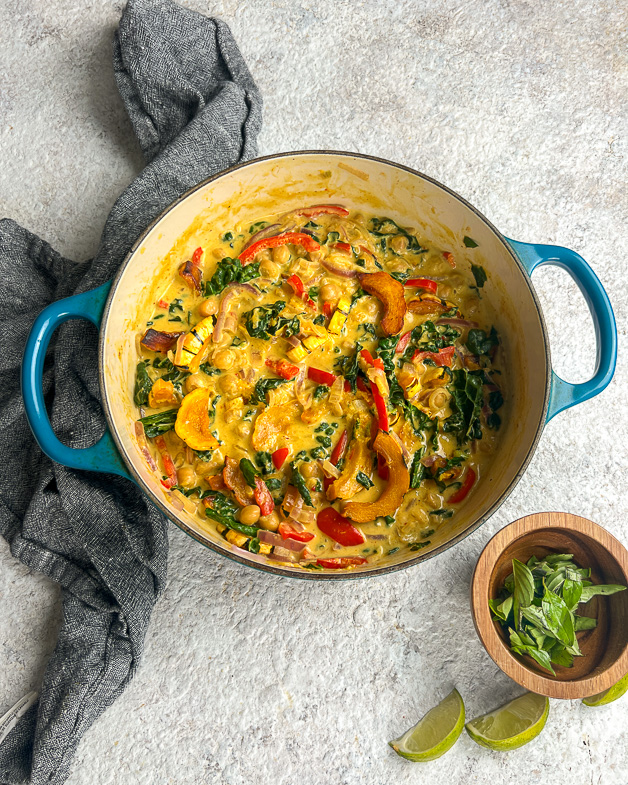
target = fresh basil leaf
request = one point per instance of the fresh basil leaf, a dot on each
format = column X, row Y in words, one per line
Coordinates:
column 584, row 623
column 501, row 608
column 539, row 655
column 523, row 590
column 604, row 590
column 559, row 619
column 572, row 591
column 555, row 558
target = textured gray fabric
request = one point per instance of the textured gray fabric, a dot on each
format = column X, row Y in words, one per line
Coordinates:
column 195, row 110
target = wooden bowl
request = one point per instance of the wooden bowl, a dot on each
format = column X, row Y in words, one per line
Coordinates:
column 605, row 648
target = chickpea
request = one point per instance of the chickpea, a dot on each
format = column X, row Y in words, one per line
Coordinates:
column 316, row 256
column 208, row 308
column 196, row 380
column 330, row 293
column 250, row 514
column 270, row 269
column 263, row 256
column 420, row 514
column 269, row 522
column 281, row 254
column 224, row 359
column 244, row 429
column 186, row 477
column 309, row 470
column 230, row 384
column 399, row 243
column 205, row 468
column 445, row 291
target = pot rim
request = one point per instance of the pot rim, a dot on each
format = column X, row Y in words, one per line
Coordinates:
column 303, row 574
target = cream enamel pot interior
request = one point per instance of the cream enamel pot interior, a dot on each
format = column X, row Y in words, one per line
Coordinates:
column 285, row 182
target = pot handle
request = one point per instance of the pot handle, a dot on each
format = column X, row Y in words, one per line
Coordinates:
column 102, row 456
column 563, row 394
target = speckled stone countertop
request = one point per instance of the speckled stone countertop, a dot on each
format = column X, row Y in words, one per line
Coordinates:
column 249, row 679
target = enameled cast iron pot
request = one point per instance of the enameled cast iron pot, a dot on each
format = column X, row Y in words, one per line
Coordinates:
column 281, row 183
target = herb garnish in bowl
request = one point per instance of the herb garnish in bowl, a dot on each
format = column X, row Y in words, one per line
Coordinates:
column 538, row 608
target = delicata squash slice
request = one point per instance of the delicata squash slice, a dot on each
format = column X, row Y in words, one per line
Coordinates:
column 318, row 366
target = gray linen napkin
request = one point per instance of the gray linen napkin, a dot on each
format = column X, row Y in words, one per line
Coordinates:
column 196, row 110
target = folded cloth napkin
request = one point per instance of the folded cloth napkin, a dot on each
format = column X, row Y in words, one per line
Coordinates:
column 196, row 110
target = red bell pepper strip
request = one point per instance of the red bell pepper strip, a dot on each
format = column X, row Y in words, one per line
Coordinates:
column 299, row 289
column 376, row 362
column 343, row 248
column 380, row 406
column 279, row 457
column 403, row 342
column 449, row 257
column 340, row 447
column 322, row 209
column 167, row 461
column 196, row 256
column 288, row 532
column 321, row 377
column 331, row 523
column 336, row 455
column 162, row 303
column 422, row 283
column 362, row 386
column 328, row 310
column 282, row 368
column 462, row 492
column 341, row 563
column 263, row 497
column 441, row 357
column 287, row 238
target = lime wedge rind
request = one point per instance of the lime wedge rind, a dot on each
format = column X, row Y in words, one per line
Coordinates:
column 511, row 726
column 610, row 695
column 435, row 733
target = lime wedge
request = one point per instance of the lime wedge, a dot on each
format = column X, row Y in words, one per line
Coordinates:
column 609, row 695
column 433, row 735
column 513, row 725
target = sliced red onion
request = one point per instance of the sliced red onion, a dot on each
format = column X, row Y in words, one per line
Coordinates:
column 313, row 280
column 270, row 538
column 341, row 270
column 143, row 445
column 337, row 546
column 230, row 292
column 329, row 469
column 429, row 460
column 402, row 446
column 291, row 499
column 304, row 398
column 336, row 391
column 305, row 515
column 178, row 356
column 263, row 233
column 283, row 554
column 296, row 525
column 454, row 322
column 294, row 545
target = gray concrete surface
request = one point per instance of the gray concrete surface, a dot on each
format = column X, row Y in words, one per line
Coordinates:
column 520, row 107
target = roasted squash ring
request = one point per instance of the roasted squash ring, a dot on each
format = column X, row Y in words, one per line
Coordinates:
column 398, row 484
column 193, row 424
column 390, row 293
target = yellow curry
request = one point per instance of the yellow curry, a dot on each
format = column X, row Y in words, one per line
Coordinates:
column 320, row 386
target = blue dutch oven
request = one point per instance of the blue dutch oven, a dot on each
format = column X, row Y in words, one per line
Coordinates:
column 535, row 393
